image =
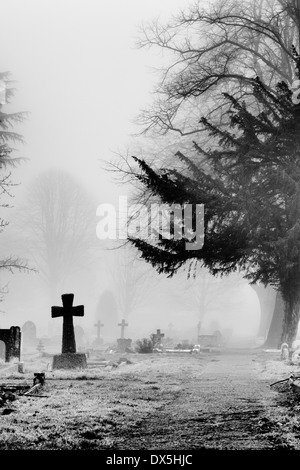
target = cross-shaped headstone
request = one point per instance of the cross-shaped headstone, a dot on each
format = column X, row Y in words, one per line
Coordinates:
column 123, row 324
column 98, row 325
column 198, row 330
column 158, row 336
column 67, row 311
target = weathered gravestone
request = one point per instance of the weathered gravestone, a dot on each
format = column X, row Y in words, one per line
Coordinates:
column 198, row 332
column 68, row 359
column 40, row 348
column 157, row 339
column 98, row 341
column 285, row 352
column 214, row 341
column 124, row 344
column 29, row 338
column 79, row 336
column 12, row 340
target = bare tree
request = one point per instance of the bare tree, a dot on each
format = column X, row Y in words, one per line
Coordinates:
column 209, row 51
column 204, row 293
column 56, row 228
column 218, row 48
column 131, row 280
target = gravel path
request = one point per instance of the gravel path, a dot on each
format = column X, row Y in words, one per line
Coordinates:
column 225, row 404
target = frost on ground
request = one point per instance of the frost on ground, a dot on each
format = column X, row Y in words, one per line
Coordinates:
column 155, row 401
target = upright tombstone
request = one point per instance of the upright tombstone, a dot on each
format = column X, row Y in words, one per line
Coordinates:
column 124, row 344
column 98, row 340
column 29, row 338
column 79, row 336
column 198, row 331
column 68, row 359
column 40, row 347
column 157, row 339
column 123, row 325
column 284, row 352
column 12, row 340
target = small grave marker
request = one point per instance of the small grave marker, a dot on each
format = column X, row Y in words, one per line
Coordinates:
column 124, row 344
column 157, row 339
column 198, row 331
column 123, row 325
column 284, row 352
column 29, row 334
column 99, row 326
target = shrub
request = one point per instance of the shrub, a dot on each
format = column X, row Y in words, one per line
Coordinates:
column 144, row 346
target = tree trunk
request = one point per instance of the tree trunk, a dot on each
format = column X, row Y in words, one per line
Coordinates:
column 291, row 321
column 274, row 337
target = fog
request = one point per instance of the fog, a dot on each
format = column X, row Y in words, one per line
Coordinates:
column 82, row 81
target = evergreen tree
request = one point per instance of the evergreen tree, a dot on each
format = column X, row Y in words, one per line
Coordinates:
column 249, row 183
column 8, row 138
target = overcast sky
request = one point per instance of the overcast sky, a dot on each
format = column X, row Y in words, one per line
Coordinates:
column 80, row 77
column 82, row 80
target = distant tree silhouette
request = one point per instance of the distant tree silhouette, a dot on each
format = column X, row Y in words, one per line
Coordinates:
column 56, row 229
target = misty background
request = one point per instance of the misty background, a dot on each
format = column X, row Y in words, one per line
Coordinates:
column 82, row 81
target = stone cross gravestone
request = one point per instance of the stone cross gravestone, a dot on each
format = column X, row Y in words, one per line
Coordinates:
column 98, row 341
column 98, row 325
column 69, row 358
column 157, row 339
column 79, row 336
column 123, row 325
column 67, row 311
column 124, row 344
column 198, row 331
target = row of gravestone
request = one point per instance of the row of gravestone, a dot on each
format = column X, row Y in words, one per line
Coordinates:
column 29, row 335
column 68, row 358
column 30, row 339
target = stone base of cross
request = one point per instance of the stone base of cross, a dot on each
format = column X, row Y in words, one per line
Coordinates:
column 124, row 345
column 69, row 361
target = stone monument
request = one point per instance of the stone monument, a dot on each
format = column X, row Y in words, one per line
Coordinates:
column 12, row 340
column 69, row 358
column 157, row 339
column 123, row 343
column 98, row 341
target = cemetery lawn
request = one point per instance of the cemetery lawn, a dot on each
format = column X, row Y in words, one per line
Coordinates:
column 212, row 400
